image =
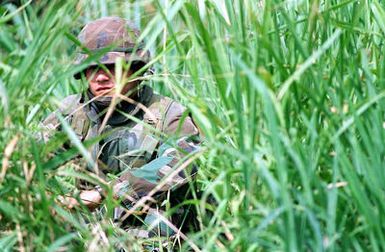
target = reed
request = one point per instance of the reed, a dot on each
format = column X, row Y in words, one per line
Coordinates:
column 288, row 94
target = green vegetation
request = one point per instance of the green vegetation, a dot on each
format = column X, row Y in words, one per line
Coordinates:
column 289, row 96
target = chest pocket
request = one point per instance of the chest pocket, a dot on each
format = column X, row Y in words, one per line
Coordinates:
column 127, row 148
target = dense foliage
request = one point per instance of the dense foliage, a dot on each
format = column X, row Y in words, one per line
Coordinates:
column 288, row 94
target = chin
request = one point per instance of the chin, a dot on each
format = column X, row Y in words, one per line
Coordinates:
column 109, row 94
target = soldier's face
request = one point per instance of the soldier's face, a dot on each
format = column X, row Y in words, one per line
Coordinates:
column 103, row 83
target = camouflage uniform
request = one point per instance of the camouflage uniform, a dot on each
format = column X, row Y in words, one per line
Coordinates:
column 140, row 152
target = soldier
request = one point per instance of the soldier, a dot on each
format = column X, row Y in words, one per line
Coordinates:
column 146, row 135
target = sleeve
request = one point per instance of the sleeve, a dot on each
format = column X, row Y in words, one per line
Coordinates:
column 51, row 124
column 183, row 140
column 47, row 128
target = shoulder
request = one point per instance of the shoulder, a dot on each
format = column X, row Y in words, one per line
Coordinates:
column 163, row 107
column 175, row 118
column 64, row 107
column 69, row 104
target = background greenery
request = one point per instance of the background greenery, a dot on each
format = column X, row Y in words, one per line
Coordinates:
column 289, row 96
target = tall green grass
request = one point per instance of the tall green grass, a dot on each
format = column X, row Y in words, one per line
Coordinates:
column 288, row 94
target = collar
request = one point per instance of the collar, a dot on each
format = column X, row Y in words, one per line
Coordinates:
column 99, row 106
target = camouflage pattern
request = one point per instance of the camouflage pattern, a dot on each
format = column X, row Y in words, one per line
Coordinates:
column 141, row 157
column 117, row 36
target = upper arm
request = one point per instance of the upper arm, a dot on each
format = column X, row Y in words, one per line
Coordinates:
column 178, row 122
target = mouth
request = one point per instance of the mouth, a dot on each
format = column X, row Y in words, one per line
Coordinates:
column 104, row 89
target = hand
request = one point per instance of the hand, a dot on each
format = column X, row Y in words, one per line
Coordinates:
column 68, row 202
column 90, row 198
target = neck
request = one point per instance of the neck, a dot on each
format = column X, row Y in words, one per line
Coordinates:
column 100, row 104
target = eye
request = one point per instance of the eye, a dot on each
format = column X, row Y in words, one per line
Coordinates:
column 111, row 68
column 92, row 69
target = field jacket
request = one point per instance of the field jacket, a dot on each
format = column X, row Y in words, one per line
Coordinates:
column 143, row 144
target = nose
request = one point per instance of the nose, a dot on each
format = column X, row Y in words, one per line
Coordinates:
column 102, row 76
